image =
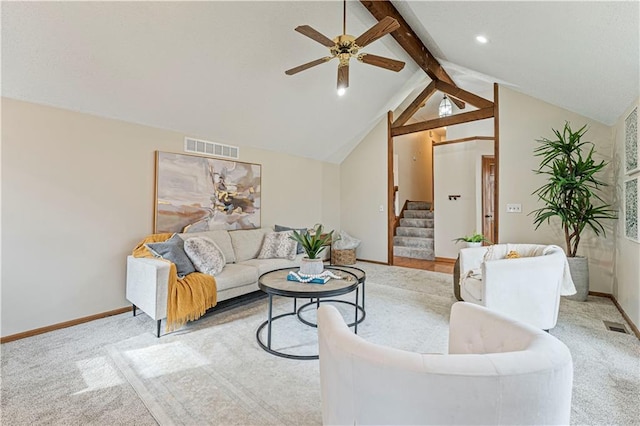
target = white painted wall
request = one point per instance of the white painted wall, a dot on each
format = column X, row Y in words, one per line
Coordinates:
column 363, row 189
column 524, row 119
column 626, row 283
column 414, row 167
column 458, row 171
column 78, row 194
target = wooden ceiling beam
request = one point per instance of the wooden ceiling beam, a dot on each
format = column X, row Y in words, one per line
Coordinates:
column 410, row 42
column 479, row 114
column 415, row 105
column 459, row 93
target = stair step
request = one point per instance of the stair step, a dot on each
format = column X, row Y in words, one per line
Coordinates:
column 418, row 205
column 417, row 223
column 414, row 253
column 418, row 214
column 403, row 231
column 413, row 242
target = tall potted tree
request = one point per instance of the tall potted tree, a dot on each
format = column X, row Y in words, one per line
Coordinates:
column 571, row 190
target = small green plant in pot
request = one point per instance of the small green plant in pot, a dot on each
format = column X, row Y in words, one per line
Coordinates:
column 472, row 240
column 313, row 242
column 571, row 190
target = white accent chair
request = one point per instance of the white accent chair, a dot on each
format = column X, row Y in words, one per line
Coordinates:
column 527, row 288
column 498, row 372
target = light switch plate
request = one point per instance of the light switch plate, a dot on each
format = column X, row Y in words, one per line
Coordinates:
column 514, row 208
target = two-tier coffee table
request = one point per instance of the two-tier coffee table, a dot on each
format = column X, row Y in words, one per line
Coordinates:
column 275, row 283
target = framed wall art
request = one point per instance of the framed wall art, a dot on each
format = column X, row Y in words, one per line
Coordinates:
column 195, row 193
column 631, row 209
column 631, row 154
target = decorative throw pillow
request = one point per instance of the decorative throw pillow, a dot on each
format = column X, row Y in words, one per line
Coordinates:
column 512, row 255
column 205, row 255
column 303, row 231
column 173, row 251
column 278, row 245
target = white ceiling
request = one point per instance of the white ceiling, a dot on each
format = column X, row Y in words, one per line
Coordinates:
column 215, row 70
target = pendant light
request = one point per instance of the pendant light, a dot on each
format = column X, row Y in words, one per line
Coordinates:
column 445, row 109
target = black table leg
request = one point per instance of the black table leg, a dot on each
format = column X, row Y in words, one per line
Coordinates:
column 269, row 321
column 355, row 327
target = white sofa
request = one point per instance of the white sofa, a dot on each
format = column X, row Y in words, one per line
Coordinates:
column 498, row 372
column 148, row 279
column 527, row 288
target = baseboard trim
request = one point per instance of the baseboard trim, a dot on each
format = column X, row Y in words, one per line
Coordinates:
column 624, row 314
column 373, row 261
column 445, row 260
column 65, row 324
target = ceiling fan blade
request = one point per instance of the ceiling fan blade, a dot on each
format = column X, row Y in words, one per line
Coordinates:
column 380, row 61
column 308, row 65
column 315, row 35
column 382, row 28
column 343, row 76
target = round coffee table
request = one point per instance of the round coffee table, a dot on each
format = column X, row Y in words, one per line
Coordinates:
column 275, row 283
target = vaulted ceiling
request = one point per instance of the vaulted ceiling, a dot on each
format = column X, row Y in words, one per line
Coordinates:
column 215, row 70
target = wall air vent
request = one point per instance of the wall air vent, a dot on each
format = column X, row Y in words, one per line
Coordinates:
column 215, row 149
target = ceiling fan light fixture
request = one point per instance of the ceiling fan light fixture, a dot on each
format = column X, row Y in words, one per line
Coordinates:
column 445, row 109
column 345, row 46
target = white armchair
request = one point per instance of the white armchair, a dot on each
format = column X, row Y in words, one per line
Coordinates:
column 527, row 288
column 498, row 372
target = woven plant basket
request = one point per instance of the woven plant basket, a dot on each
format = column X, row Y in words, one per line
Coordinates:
column 343, row 257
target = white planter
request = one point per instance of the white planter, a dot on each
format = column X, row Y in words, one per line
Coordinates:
column 579, row 268
column 469, row 244
column 311, row 266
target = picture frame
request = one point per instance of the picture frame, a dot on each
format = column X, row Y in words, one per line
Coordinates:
column 631, row 209
column 631, row 151
column 197, row 193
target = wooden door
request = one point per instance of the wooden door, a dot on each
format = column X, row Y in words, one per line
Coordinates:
column 488, row 194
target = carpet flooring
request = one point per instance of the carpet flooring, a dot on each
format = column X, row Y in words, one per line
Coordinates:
column 212, row 371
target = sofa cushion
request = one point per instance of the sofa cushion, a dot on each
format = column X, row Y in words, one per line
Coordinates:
column 247, row 242
column 220, row 237
column 268, row 265
column 278, row 245
column 235, row 275
column 173, row 251
column 205, row 255
column 302, row 231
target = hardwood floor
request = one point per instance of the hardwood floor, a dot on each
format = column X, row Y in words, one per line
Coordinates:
column 429, row 265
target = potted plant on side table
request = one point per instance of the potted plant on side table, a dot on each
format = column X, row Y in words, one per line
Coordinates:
column 570, row 193
column 313, row 242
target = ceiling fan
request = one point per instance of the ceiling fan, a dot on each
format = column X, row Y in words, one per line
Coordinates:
column 346, row 46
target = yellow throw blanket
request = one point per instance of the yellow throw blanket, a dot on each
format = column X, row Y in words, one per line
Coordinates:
column 189, row 297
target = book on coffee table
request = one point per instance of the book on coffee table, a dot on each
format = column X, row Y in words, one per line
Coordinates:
column 292, row 276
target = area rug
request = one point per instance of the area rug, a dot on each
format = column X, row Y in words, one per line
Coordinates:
column 214, row 372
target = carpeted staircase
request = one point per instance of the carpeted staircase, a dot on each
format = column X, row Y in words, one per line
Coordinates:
column 414, row 236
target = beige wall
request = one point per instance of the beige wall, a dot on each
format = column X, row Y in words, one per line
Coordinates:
column 524, row 119
column 458, row 171
column 363, row 189
column 77, row 195
column 626, row 284
column 414, row 167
